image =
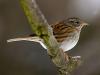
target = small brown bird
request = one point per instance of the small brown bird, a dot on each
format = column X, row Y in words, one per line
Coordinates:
column 66, row 32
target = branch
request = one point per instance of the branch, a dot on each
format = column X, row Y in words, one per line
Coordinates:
column 64, row 63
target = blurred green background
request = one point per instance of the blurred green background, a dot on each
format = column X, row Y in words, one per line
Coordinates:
column 29, row 58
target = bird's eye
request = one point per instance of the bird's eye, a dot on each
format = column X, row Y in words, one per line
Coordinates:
column 76, row 22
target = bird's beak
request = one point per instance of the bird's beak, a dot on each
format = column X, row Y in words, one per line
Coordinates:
column 84, row 24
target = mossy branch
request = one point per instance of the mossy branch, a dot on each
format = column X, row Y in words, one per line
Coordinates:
column 64, row 63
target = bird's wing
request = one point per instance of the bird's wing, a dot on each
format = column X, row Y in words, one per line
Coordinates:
column 61, row 31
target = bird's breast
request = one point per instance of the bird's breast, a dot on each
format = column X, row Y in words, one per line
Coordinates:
column 70, row 41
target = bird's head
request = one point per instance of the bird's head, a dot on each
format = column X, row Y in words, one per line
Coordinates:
column 76, row 22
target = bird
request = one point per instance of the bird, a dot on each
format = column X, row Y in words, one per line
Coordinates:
column 66, row 32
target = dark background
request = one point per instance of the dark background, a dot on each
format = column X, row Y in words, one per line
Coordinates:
column 28, row 58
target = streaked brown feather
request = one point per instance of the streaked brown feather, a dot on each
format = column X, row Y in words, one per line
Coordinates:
column 61, row 31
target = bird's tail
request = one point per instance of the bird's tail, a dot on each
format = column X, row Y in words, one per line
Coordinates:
column 32, row 37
